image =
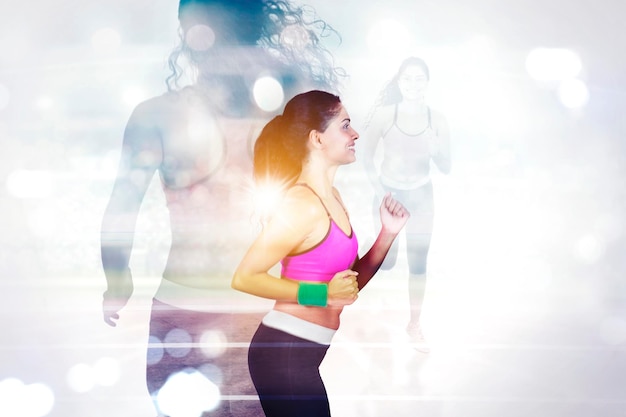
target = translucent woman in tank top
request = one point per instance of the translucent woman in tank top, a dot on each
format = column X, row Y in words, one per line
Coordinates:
column 413, row 137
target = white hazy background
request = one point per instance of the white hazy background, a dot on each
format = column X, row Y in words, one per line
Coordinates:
column 526, row 304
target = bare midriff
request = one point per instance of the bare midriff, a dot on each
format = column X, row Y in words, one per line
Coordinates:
column 323, row 316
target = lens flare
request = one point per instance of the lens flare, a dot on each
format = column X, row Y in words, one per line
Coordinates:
column 20, row 400
column 573, row 93
column 178, row 343
column 553, row 64
column 590, row 249
column 43, row 103
column 266, row 198
column 188, row 394
column 155, row 351
column 268, row 93
column 81, row 378
column 200, row 37
column 213, row 343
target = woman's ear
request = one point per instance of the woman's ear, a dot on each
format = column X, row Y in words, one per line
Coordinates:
column 315, row 139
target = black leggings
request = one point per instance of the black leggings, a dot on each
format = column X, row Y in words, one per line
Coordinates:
column 226, row 367
column 285, row 372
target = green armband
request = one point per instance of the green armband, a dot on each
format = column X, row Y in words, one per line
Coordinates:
column 312, row 294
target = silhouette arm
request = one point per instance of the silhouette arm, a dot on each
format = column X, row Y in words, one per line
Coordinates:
column 141, row 156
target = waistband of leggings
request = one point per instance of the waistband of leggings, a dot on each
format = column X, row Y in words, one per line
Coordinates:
column 298, row 327
column 404, row 185
column 209, row 300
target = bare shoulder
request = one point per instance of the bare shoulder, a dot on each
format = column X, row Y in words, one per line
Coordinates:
column 150, row 110
column 159, row 109
column 303, row 203
column 296, row 218
column 305, row 216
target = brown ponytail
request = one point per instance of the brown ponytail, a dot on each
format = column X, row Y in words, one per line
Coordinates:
column 281, row 147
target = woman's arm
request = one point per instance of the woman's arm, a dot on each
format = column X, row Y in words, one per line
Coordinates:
column 288, row 229
column 141, row 155
column 393, row 216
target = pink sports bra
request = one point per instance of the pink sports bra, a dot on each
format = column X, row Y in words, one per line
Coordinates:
column 335, row 253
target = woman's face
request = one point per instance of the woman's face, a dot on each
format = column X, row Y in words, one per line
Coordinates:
column 339, row 139
column 412, row 82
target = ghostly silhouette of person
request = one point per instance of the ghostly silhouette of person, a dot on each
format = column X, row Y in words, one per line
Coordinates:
column 198, row 138
column 413, row 135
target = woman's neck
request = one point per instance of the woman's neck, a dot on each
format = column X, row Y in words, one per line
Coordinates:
column 321, row 180
column 417, row 105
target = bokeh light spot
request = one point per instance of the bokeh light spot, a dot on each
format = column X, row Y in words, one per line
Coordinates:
column 44, row 103
column 11, row 392
column 80, row 378
column 213, row 343
column 188, row 394
column 589, row 249
column 553, row 64
column 180, row 341
column 573, row 93
column 202, row 129
column 155, row 350
column 40, row 400
column 268, row 93
column 200, row 38
column 20, row 400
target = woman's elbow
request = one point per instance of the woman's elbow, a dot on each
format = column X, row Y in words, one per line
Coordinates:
column 238, row 281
